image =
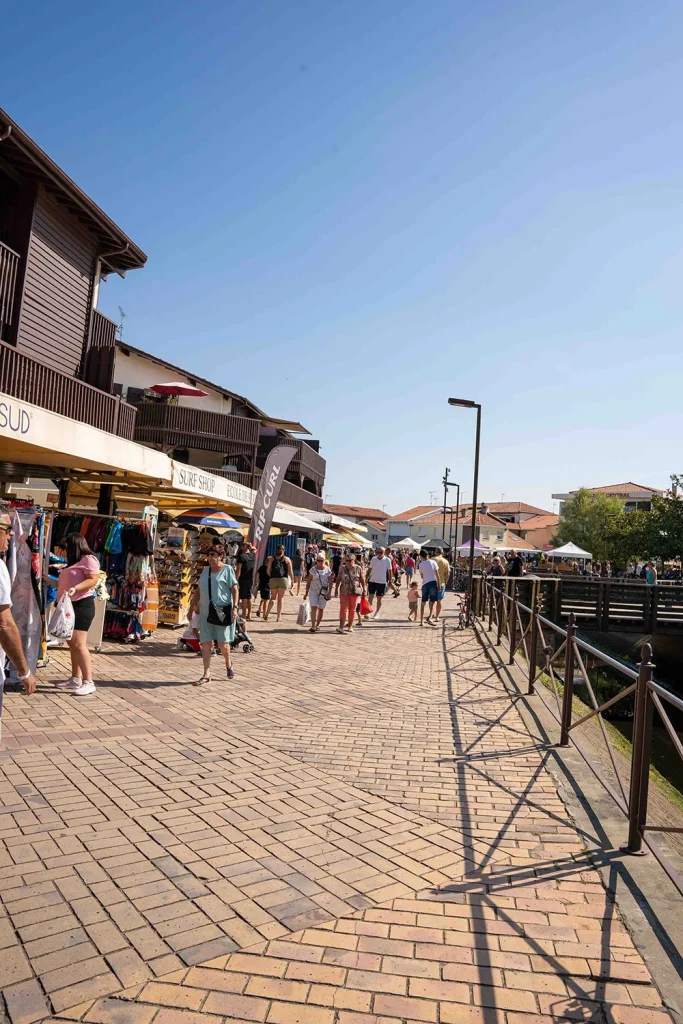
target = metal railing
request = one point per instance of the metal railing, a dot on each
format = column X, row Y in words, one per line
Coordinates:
column 541, row 648
column 9, row 265
column 31, row 381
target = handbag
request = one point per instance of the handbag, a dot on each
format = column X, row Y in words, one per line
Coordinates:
column 219, row 614
column 324, row 587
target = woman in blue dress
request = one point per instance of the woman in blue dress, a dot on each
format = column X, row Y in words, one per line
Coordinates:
column 217, row 585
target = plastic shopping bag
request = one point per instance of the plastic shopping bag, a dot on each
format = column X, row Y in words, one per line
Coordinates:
column 62, row 621
column 365, row 606
column 304, row 614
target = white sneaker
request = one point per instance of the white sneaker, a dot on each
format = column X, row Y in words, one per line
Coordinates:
column 376, row 615
column 86, row 687
column 72, row 683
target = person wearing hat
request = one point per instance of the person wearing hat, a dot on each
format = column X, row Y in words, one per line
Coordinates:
column 10, row 641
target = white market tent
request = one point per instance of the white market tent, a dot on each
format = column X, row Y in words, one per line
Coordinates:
column 521, row 548
column 570, row 550
column 407, row 544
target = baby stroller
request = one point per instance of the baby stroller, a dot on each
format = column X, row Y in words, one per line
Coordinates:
column 241, row 637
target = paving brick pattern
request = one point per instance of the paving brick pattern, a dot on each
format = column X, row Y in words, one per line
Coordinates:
column 356, row 830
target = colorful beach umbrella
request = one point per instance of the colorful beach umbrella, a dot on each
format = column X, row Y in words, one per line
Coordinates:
column 207, row 517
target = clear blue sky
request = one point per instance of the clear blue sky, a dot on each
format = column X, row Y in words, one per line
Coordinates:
column 353, row 210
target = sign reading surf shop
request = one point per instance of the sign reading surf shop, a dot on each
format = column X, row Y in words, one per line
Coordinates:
column 198, row 481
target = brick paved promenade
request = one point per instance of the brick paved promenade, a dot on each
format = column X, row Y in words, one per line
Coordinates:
column 356, row 830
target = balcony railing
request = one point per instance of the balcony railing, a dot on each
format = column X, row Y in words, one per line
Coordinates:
column 179, row 426
column 245, row 479
column 39, row 384
column 9, row 264
column 310, row 461
column 299, row 497
column 99, row 360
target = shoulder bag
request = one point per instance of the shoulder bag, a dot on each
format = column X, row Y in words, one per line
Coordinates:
column 219, row 614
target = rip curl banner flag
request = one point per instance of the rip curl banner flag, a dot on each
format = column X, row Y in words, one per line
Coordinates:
column 266, row 499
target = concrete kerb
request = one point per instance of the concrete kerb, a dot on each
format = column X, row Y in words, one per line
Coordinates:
column 650, row 906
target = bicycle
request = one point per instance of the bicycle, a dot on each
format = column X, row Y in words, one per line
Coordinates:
column 464, row 613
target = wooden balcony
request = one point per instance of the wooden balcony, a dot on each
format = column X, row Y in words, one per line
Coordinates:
column 308, row 461
column 9, row 265
column 47, row 387
column 290, row 493
column 178, row 426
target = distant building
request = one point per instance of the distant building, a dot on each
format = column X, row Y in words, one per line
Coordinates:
column 634, row 496
column 424, row 523
column 515, row 511
column 539, row 531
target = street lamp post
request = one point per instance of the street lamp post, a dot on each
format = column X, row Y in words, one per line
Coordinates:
column 465, row 403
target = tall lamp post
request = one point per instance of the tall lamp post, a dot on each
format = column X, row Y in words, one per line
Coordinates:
column 465, row 403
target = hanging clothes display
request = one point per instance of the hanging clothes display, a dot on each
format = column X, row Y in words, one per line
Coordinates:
column 24, row 569
column 124, row 549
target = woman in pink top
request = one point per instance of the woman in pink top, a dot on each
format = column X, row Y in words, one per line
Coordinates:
column 410, row 569
column 78, row 579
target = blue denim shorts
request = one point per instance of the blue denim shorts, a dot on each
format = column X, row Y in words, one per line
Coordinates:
column 430, row 591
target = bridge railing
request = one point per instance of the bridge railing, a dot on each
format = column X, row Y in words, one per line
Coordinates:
column 556, row 658
column 604, row 604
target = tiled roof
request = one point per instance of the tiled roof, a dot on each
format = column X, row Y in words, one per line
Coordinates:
column 437, row 518
column 355, row 510
column 412, row 513
column 538, row 523
column 623, row 490
column 377, row 524
column 510, row 507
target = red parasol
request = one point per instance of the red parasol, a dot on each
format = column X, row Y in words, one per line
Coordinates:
column 178, row 387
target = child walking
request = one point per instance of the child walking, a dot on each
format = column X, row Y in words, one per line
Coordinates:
column 413, row 601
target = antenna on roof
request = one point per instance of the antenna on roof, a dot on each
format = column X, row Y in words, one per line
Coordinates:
column 120, row 328
column 433, row 495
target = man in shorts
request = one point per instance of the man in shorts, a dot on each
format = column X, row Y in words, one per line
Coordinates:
column 430, row 586
column 246, row 561
column 379, row 576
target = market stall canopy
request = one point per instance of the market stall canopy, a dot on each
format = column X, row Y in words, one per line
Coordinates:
column 207, row 517
column 479, row 548
column 285, row 517
column 570, row 550
column 407, row 544
column 178, row 387
column 327, row 519
column 436, row 543
column 523, row 548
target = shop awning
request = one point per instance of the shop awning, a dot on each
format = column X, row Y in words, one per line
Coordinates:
column 33, row 436
column 286, row 517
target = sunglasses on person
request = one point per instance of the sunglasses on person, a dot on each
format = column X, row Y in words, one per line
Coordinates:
column 7, row 529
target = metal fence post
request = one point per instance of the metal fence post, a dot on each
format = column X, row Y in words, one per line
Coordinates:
column 501, row 613
column 640, row 758
column 513, row 625
column 568, row 682
column 533, row 649
column 490, row 604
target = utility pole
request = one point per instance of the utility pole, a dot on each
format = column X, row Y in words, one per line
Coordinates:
column 445, row 499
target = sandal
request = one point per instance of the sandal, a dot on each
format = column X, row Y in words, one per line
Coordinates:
column 231, row 673
column 339, row 629
column 200, row 682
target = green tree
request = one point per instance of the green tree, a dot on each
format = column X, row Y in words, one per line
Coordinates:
column 588, row 519
column 665, row 533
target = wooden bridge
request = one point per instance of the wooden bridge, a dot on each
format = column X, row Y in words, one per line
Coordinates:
column 617, row 606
